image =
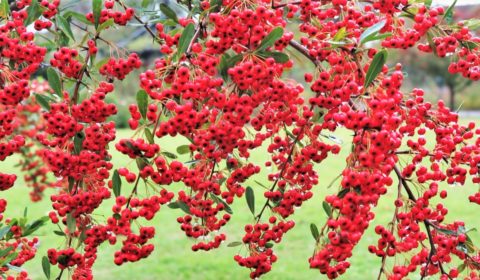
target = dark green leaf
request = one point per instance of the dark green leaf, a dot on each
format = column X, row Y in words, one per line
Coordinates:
column 228, row 62
column 446, row 231
column 168, row 12
column 269, row 245
column 226, row 207
column 375, row 67
column 149, row 136
column 448, row 16
column 142, row 102
column 461, row 267
column 271, row 38
column 141, row 162
column 78, row 142
column 185, row 40
column 371, row 32
column 173, row 205
column 428, row 3
column 34, row 11
column 327, row 208
column 59, row 233
column 250, row 196
column 278, row 56
column 183, row 149
column 234, row 244
column 43, row 101
column 116, row 183
column 169, row 155
column 46, row 266
column 34, row 226
column 97, row 9
column 315, row 232
column 64, row 25
column 343, row 192
column 54, row 81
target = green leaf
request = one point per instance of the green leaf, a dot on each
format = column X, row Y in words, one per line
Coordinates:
column 8, row 259
column 168, row 12
column 271, row 38
column 183, row 149
column 71, row 223
column 78, row 16
column 34, row 11
column 97, row 10
column 340, row 35
column 4, row 252
column 315, row 232
column 375, row 67
column 116, row 183
column 278, row 56
column 54, row 81
column 461, row 267
column 448, row 16
column 4, row 231
column 184, row 41
column 142, row 102
column 180, row 205
column 250, row 197
column 169, row 155
column 228, row 62
column 327, row 208
column 370, row 32
column 472, row 24
column 31, row 228
column 105, row 25
column 59, row 233
column 226, row 207
column 78, row 142
column 141, row 162
column 268, row 245
column 46, row 266
column 4, row 9
column 43, row 101
column 64, row 25
column 149, row 135
column 234, row 244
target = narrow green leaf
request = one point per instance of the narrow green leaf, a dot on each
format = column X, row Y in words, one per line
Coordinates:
column 64, row 25
column 31, row 228
column 314, row 231
column 182, row 205
column 371, row 32
column 278, row 56
column 448, row 16
column 375, row 67
column 169, row 155
column 54, row 81
column 8, row 259
column 250, row 196
column 184, row 41
column 96, row 9
column 234, row 244
column 340, row 35
column 183, row 149
column 269, row 245
column 43, row 101
column 145, row 3
column 59, row 233
column 5, row 251
column 461, row 267
column 271, row 38
column 78, row 16
column 327, row 208
column 46, row 266
column 142, row 102
column 168, row 12
column 149, row 135
column 78, row 142
column 106, row 24
column 116, row 183
column 226, row 207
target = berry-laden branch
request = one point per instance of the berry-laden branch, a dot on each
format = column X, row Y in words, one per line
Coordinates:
column 217, row 106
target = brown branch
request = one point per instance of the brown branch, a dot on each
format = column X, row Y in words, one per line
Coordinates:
column 304, row 51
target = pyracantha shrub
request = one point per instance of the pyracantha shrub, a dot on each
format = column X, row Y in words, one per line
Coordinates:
column 219, row 82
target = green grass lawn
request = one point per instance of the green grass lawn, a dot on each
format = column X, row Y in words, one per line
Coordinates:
column 173, row 259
